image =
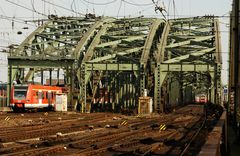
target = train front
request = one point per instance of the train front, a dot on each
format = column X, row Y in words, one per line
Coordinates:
column 19, row 96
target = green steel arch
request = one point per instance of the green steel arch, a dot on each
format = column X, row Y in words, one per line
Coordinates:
column 58, row 43
column 109, row 62
column 119, row 62
column 188, row 62
column 83, row 47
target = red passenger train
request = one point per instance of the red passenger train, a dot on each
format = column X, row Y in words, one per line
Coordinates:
column 33, row 96
column 201, row 98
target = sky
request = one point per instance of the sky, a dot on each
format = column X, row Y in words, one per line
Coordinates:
column 15, row 13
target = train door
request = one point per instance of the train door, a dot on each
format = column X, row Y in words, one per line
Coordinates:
column 40, row 97
column 34, row 98
column 49, row 97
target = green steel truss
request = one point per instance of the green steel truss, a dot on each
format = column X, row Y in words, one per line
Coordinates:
column 189, row 53
column 117, row 64
column 109, row 62
column 58, row 43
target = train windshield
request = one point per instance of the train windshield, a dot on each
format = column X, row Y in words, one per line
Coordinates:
column 20, row 92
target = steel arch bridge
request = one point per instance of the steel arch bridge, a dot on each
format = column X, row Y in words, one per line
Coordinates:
column 109, row 62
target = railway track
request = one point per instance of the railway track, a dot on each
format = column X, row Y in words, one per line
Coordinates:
column 106, row 134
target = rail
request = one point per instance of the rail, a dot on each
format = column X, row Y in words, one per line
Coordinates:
column 101, row 133
column 194, row 137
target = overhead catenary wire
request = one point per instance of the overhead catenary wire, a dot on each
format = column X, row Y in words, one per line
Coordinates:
column 106, row 3
column 109, row 2
column 17, row 20
column 160, row 9
column 75, row 8
column 119, row 8
column 184, row 16
column 119, row 11
column 93, row 8
column 55, row 10
column 63, row 7
column 32, row 1
column 27, row 8
column 2, row 11
column 140, row 11
column 137, row 4
column 33, row 7
column 104, row 10
column 144, row 10
column 221, row 16
column 174, row 8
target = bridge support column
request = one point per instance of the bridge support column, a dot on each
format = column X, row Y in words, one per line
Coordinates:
column 142, row 80
column 181, row 90
column 9, row 86
column 83, row 89
column 213, row 89
column 72, row 76
column 159, row 78
column 12, row 73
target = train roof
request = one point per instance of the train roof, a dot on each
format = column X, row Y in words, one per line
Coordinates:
column 37, row 86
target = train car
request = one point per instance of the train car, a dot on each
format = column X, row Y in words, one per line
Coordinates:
column 201, row 98
column 32, row 96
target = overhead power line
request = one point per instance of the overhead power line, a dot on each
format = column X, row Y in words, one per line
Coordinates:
column 17, row 20
column 73, row 4
column 160, row 8
column 137, row 4
column 63, row 7
column 27, row 8
column 100, row 3
column 119, row 8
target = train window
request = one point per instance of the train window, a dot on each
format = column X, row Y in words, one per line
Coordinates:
column 54, row 94
column 40, row 96
column 20, row 94
column 49, row 95
column 44, row 95
column 35, row 94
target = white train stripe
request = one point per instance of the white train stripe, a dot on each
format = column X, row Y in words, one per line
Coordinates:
column 36, row 105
